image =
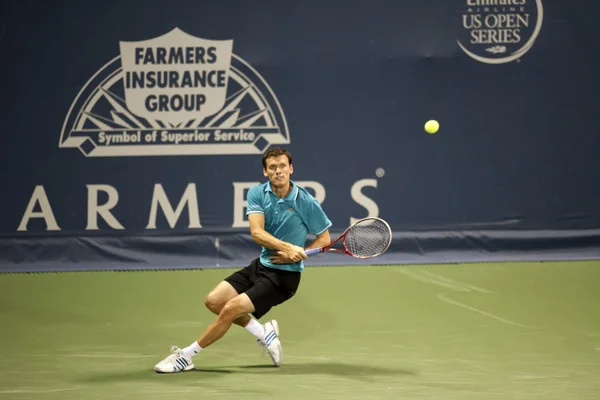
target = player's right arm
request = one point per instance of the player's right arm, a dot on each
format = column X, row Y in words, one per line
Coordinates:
column 265, row 239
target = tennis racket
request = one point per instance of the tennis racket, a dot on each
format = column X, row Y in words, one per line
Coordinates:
column 366, row 238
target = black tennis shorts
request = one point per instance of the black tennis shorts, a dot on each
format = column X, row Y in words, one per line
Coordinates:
column 266, row 287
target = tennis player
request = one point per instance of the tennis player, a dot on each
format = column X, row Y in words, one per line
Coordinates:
column 281, row 214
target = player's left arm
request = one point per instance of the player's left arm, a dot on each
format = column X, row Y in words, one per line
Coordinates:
column 318, row 224
column 322, row 240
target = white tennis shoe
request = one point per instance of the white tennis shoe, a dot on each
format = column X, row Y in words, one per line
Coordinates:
column 270, row 343
column 176, row 362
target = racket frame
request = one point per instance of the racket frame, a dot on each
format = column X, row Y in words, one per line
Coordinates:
column 342, row 237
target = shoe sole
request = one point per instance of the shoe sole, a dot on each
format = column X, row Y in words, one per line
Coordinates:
column 188, row 368
column 276, row 328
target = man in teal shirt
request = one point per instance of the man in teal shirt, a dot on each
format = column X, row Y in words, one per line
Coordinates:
column 280, row 214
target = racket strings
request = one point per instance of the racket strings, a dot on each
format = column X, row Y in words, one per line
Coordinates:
column 368, row 238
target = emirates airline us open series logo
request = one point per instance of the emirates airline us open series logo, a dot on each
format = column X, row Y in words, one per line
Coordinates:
column 175, row 95
column 499, row 31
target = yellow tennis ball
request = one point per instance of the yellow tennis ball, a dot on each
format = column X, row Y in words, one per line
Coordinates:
column 432, row 126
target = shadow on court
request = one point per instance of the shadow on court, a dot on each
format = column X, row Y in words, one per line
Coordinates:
column 322, row 368
column 353, row 371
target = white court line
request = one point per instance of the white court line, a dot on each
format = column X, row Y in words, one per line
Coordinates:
column 106, row 355
column 442, row 278
column 429, row 277
column 88, row 355
column 27, row 389
column 506, row 321
column 321, row 358
column 585, row 333
column 426, row 279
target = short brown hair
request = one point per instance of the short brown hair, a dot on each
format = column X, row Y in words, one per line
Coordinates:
column 276, row 152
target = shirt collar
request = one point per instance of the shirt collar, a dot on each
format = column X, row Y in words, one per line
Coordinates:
column 292, row 196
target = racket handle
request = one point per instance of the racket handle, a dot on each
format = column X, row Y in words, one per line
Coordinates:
column 310, row 252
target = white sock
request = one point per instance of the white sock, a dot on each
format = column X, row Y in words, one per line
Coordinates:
column 192, row 350
column 255, row 328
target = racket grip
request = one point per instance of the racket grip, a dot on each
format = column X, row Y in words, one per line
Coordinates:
column 310, row 252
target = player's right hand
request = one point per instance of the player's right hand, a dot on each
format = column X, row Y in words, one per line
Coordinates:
column 296, row 253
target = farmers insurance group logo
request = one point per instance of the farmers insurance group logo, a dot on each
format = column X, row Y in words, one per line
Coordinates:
column 499, row 31
column 175, row 95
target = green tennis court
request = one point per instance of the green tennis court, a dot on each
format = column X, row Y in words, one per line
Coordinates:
column 474, row 331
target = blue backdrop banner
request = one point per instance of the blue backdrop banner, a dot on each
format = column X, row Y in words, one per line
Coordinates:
column 132, row 132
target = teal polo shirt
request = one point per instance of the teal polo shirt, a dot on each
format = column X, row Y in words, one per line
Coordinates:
column 289, row 219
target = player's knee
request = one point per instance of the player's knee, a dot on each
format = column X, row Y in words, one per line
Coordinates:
column 213, row 303
column 231, row 310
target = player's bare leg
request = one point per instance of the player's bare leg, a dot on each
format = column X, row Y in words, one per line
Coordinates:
column 219, row 296
column 216, row 300
column 233, row 310
column 181, row 359
column 236, row 309
column 239, row 306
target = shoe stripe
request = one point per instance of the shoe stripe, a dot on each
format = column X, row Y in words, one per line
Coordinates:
column 184, row 361
column 270, row 337
column 181, row 364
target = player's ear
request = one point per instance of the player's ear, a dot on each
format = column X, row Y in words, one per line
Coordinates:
column 265, row 172
column 291, row 169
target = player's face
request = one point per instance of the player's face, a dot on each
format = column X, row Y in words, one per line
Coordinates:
column 278, row 170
